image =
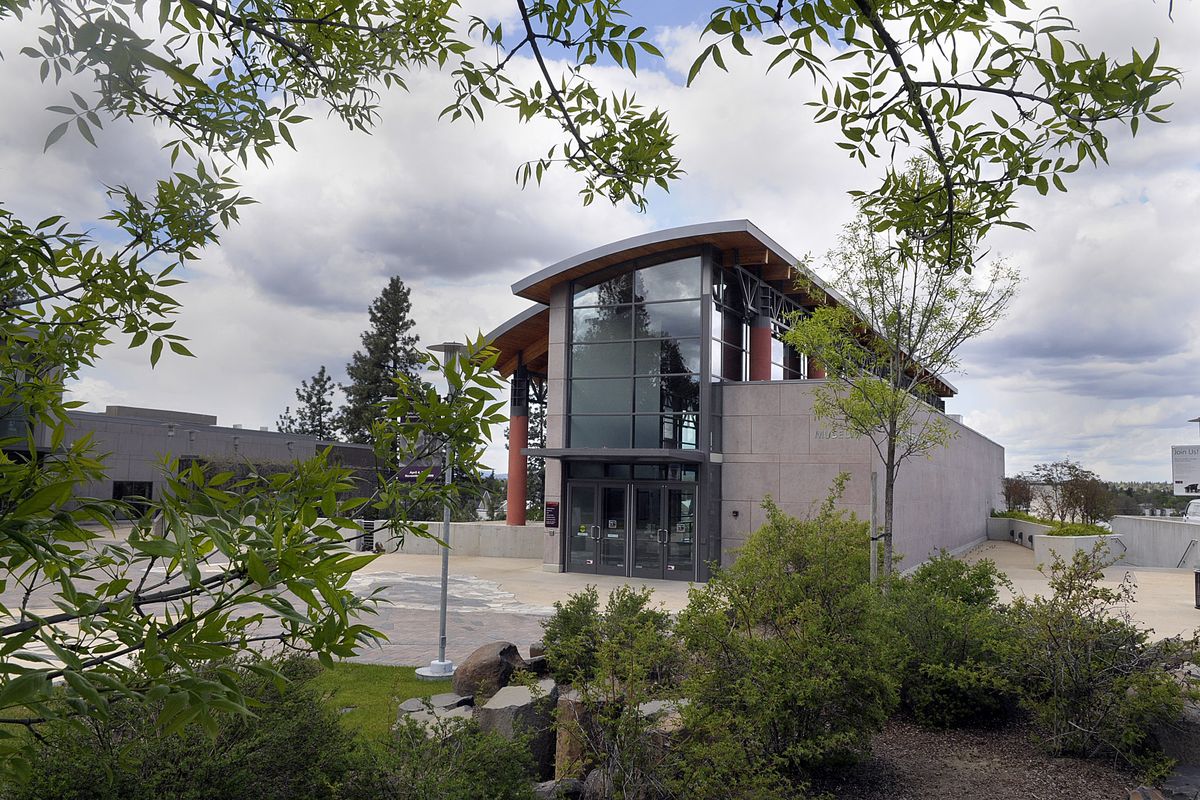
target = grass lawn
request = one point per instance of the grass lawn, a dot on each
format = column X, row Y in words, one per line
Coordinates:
column 374, row 691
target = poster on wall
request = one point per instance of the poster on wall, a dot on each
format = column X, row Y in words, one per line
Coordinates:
column 1185, row 469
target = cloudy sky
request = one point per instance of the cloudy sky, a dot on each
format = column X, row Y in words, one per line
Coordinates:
column 1099, row 359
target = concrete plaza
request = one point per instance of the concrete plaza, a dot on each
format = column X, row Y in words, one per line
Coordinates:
column 508, row 598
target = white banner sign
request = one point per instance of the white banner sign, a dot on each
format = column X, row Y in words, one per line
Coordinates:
column 1185, row 469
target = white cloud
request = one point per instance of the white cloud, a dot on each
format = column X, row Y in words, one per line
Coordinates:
column 1100, row 357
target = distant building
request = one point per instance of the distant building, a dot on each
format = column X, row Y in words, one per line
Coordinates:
column 674, row 407
column 137, row 442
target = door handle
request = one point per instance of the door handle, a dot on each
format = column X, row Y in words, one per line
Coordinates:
column 663, row 536
column 596, row 532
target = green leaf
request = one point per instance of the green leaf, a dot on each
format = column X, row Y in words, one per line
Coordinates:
column 55, row 135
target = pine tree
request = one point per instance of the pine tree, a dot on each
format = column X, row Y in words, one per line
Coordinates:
column 314, row 415
column 389, row 349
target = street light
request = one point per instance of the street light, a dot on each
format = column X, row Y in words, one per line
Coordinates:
column 443, row 668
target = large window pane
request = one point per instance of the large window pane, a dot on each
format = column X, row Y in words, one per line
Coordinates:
column 602, row 324
column 605, row 431
column 674, row 281
column 613, row 291
column 733, row 363
column 601, row 360
column 667, row 320
column 601, row 395
column 667, row 355
column 673, row 393
column 672, row 431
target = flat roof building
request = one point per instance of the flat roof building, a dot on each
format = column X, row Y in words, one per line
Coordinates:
column 673, row 407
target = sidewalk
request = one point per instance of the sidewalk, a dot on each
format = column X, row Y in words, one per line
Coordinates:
column 1165, row 598
column 488, row 599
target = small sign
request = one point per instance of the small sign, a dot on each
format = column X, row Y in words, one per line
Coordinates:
column 551, row 515
column 681, row 527
column 670, row 566
column 589, row 562
column 612, row 524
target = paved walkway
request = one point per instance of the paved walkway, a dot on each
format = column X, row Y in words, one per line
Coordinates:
column 488, row 599
column 1165, row 599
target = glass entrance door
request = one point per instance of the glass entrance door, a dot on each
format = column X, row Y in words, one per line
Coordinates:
column 597, row 528
column 649, row 532
column 680, row 545
column 664, row 532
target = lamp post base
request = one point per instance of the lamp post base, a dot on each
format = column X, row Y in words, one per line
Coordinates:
column 437, row 670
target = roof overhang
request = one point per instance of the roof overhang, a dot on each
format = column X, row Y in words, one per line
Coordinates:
column 523, row 339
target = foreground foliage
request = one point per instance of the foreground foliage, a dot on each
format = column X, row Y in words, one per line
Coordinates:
column 295, row 745
column 1095, row 682
column 786, row 652
column 953, row 643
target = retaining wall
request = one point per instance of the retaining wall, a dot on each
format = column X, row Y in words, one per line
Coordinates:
column 1160, row 541
column 488, row 539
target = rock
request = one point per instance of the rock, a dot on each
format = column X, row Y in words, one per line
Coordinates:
column 568, row 749
column 665, row 714
column 487, row 669
column 598, row 786
column 568, row 789
column 450, row 700
column 1145, row 793
column 1184, row 784
column 537, row 649
column 412, row 705
column 538, row 665
column 430, row 717
column 514, row 710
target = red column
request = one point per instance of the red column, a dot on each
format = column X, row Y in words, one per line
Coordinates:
column 760, row 350
column 518, row 466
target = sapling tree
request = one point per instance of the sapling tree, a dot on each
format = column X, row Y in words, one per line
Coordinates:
column 884, row 355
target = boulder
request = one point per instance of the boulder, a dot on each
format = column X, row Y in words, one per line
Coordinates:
column 450, row 700
column 538, row 665
column 537, row 649
column 568, row 789
column 598, row 785
column 429, row 717
column 487, row 669
column 568, row 749
column 519, row 710
column 1183, row 784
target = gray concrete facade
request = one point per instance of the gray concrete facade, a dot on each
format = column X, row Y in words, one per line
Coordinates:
column 774, row 446
column 136, row 444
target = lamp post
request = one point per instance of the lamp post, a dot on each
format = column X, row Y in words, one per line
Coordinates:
column 443, row 668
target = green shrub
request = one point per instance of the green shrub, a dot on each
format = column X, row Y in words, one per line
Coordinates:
column 1078, row 529
column 578, row 630
column 293, row 748
column 454, row 760
column 951, row 642
column 787, row 649
column 570, row 635
column 1022, row 515
column 627, row 658
column 1092, row 679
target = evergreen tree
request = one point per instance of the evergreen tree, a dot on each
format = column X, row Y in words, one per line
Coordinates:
column 389, row 349
column 314, row 415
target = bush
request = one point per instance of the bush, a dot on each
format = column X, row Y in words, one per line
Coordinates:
column 1091, row 678
column 617, row 660
column 787, row 651
column 1078, row 529
column 577, row 633
column 293, row 748
column 1022, row 515
column 952, row 641
column 453, row 761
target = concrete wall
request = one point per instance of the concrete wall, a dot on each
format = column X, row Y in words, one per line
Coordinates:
column 134, row 448
column 556, row 421
column 773, row 445
column 944, row 500
column 1159, row 541
column 490, row 539
column 1065, row 547
column 1003, row 529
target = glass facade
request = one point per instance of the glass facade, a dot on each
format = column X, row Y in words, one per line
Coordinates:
column 635, row 359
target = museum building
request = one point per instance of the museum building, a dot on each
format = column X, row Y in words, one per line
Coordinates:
column 673, row 408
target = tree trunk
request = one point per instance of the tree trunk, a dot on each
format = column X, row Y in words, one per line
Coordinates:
column 889, row 492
